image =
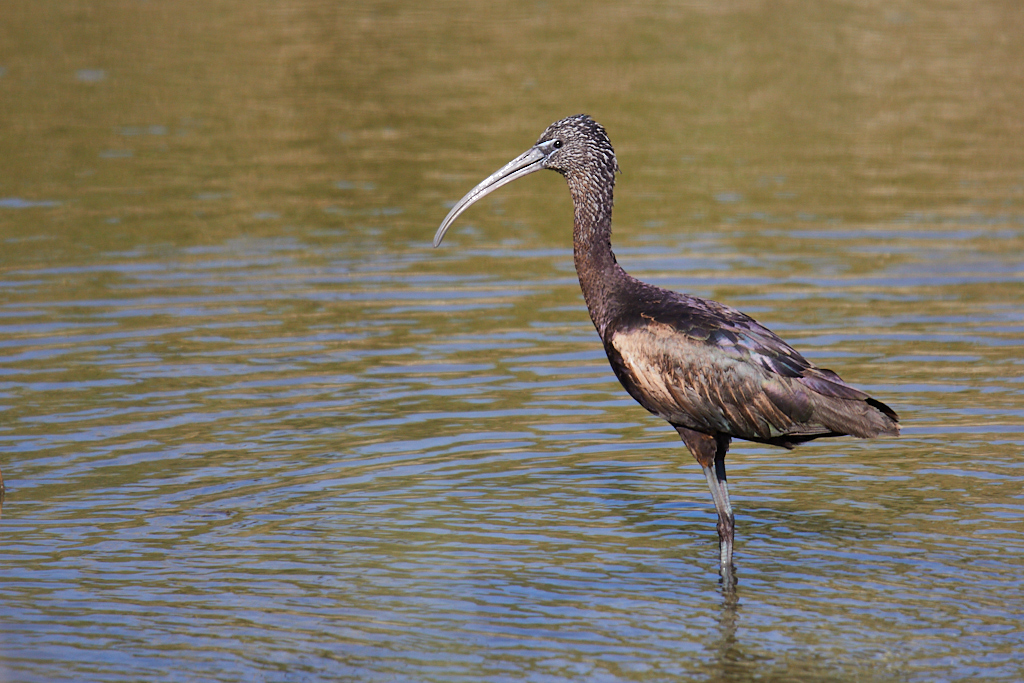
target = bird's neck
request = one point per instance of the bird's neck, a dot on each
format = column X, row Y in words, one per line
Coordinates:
column 601, row 277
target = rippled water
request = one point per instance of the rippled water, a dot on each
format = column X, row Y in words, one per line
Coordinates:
column 254, row 428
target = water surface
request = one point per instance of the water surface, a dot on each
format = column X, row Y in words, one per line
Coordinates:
column 254, row 428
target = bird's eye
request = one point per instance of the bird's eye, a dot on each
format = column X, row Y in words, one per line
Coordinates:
column 557, row 144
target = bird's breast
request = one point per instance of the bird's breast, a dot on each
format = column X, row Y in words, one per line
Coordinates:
column 644, row 361
column 656, row 363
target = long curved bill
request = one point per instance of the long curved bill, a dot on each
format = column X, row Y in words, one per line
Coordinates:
column 524, row 164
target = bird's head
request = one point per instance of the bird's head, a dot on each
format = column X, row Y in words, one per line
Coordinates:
column 577, row 144
column 577, row 147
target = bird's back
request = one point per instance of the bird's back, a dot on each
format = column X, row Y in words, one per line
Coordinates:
column 710, row 368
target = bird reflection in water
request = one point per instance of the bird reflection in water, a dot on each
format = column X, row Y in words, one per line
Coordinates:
column 712, row 372
column 729, row 652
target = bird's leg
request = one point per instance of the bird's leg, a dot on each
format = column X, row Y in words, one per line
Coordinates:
column 726, row 521
column 709, row 451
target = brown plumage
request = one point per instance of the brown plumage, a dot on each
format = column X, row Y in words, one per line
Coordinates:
column 712, row 372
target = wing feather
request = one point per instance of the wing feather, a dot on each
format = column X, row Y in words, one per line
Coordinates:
column 712, row 369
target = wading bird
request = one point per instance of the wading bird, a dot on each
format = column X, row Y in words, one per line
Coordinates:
column 712, row 372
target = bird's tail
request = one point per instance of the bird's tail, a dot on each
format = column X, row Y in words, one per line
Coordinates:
column 847, row 410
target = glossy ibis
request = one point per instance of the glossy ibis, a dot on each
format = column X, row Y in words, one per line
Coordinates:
column 712, row 372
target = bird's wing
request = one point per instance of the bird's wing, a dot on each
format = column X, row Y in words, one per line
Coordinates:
column 711, row 368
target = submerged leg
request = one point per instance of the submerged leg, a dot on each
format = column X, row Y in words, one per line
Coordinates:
column 709, row 451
